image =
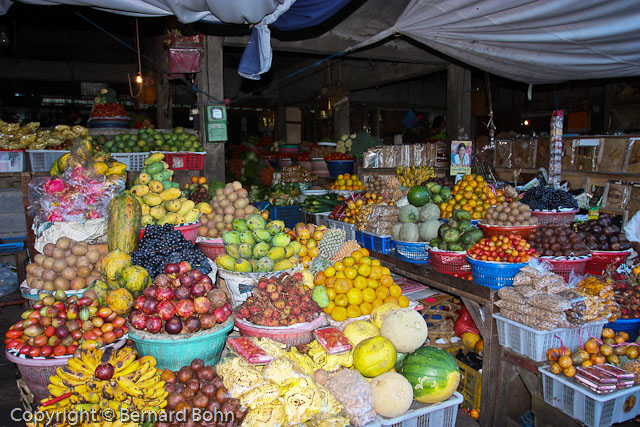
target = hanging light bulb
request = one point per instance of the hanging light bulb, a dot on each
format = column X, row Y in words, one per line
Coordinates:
column 526, row 122
column 139, row 78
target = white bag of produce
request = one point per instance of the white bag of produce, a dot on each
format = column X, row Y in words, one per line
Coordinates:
column 92, row 231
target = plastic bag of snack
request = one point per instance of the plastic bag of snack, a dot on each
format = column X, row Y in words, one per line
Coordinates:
column 271, row 415
column 282, row 371
column 239, row 376
column 302, row 401
column 262, row 395
column 550, row 302
column 510, row 294
column 352, row 390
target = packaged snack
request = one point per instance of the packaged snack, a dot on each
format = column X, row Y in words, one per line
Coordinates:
column 332, row 340
column 614, row 371
column 250, row 352
column 596, row 375
column 550, row 302
column 526, row 291
column 510, row 294
column 594, row 386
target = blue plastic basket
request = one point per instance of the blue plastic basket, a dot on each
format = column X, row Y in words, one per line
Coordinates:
column 339, row 167
column 260, row 205
column 413, row 252
column 12, row 244
column 291, row 215
column 629, row 326
column 374, row 243
column 494, row 275
column 175, row 353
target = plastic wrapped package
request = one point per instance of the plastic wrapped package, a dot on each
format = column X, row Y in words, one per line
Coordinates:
column 352, row 390
column 271, row 415
column 239, row 377
column 282, row 371
column 302, row 401
column 503, row 153
column 262, row 395
column 511, row 295
column 382, row 219
column 549, row 302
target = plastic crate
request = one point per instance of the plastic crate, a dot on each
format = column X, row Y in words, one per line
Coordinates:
column 315, row 218
column 291, row 215
column 494, row 275
column 551, row 217
column 12, row 244
column 375, row 243
column 12, row 161
column 564, row 267
column 470, row 385
column 415, row 253
column 260, row 205
column 441, row 414
column 183, row 161
column 449, row 262
column 134, row 161
column 42, row 160
column 600, row 260
column 349, row 229
column 630, row 326
column 534, row 344
column 592, row 409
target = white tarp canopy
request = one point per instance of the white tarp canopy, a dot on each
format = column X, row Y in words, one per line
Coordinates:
column 531, row 41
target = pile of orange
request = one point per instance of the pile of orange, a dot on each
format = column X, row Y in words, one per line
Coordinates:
column 473, row 195
column 309, row 237
column 358, row 284
column 347, row 182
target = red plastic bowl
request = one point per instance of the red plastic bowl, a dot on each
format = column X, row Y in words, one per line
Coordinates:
column 298, row 334
column 190, row 231
column 494, row 230
column 211, row 248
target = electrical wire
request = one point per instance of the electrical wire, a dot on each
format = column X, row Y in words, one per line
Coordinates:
column 139, row 66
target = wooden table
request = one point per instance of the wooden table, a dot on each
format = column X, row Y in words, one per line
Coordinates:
column 479, row 302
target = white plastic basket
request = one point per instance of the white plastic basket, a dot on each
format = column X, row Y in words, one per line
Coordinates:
column 592, row 409
column 315, row 218
column 441, row 414
column 534, row 344
column 12, row 161
column 42, row 160
column 349, row 229
column 134, row 161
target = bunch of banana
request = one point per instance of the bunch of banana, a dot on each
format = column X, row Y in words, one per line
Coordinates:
column 113, row 379
column 160, row 198
column 410, row 175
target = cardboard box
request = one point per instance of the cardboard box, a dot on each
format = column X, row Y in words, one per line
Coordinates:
column 616, row 196
column 612, row 155
column 632, row 161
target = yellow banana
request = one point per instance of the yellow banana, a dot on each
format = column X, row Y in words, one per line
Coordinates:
column 125, row 363
column 150, row 383
column 79, row 366
column 87, row 358
column 127, row 369
column 150, row 359
column 119, row 394
column 66, row 373
column 150, row 372
column 56, row 391
column 129, row 387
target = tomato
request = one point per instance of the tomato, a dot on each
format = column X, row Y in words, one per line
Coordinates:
column 14, row 343
column 13, row 333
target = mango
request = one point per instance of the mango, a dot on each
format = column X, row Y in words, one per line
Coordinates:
column 153, row 158
column 281, row 239
column 296, row 245
column 232, row 250
column 172, row 193
column 231, row 237
column 284, row 264
column 144, row 178
column 180, row 219
column 154, row 168
column 147, row 219
column 255, row 222
column 243, row 266
column 264, row 265
column 144, row 209
column 260, row 250
column 156, row 186
column 192, row 216
column 173, row 205
column 169, row 218
column 152, row 199
column 247, row 237
column 261, row 235
column 187, row 205
column 225, row 262
column 274, row 227
column 157, row 212
column 140, row 190
column 245, row 250
column 276, row 253
column 240, row 224
column 204, row 207
column 289, row 250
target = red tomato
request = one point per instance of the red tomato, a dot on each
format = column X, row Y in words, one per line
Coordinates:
column 14, row 343
column 13, row 333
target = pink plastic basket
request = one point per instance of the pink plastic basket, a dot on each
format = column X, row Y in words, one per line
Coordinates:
column 600, row 260
column 211, row 248
column 450, row 262
column 36, row 372
column 564, row 267
column 493, row 230
column 551, row 217
column 301, row 333
column 190, row 231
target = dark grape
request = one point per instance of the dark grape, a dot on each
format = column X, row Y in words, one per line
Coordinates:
column 548, row 199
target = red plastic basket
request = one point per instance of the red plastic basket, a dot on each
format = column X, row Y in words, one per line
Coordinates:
column 449, row 262
column 494, row 230
column 190, row 231
column 551, row 217
column 211, row 248
column 184, row 161
column 600, row 260
column 298, row 334
column 564, row 267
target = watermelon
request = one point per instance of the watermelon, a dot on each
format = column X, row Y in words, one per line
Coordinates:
column 419, row 196
column 433, row 373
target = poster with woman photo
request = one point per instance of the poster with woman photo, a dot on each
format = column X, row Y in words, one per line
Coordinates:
column 460, row 157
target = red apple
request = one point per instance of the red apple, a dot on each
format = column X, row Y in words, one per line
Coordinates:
column 202, row 305
column 166, row 310
column 185, row 308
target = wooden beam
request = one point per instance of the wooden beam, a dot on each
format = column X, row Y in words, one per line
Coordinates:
column 458, row 100
column 60, row 71
column 211, row 81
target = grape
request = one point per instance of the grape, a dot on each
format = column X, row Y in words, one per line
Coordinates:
column 548, row 198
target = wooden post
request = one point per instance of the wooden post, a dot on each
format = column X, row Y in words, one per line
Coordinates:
column 211, row 81
column 164, row 110
column 458, row 100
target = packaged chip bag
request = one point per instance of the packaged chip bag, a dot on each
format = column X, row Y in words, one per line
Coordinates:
column 329, row 422
column 282, row 371
column 272, row 415
column 302, row 401
column 264, row 395
column 274, row 348
column 238, row 376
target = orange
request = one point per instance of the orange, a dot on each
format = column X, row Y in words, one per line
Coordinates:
column 357, row 256
column 355, row 296
column 328, row 309
column 341, row 286
column 377, row 303
column 368, row 295
column 194, row 179
column 395, row 291
column 373, row 284
column 360, row 282
column 391, row 299
column 329, row 271
column 331, row 293
column 365, row 260
column 341, row 300
column 311, row 243
column 386, row 280
column 317, row 235
column 475, row 414
column 376, row 272
column 329, row 282
column 382, row 292
column 403, row 301
column 339, row 314
column 319, row 279
column 306, row 260
column 338, row 266
column 375, row 262
column 364, row 251
column 366, row 308
column 364, row 270
column 303, row 251
column 385, row 270
column 348, row 261
column 340, row 275
column 313, row 252
column 350, row 273
column 353, row 311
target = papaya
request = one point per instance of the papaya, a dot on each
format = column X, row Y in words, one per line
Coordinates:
column 153, row 158
column 140, row 190
column 123, row 228
column 144, row 178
